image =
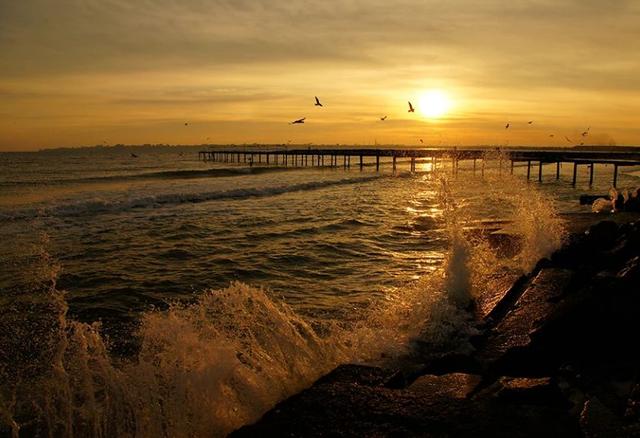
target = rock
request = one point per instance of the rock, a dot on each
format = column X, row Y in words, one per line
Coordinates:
column 603, row 235
column 405, row 376
column 357, row 375
column 597, row 421
column 453, row 363
column 528, row 390
column 454, row 385
column 631, row 270
column 494, row 306
column 507, row 350
column 433, row 406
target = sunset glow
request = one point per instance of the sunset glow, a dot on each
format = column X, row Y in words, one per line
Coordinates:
column 434, row 104
column 119, row 72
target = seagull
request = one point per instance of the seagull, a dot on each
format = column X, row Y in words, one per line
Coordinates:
column 530, row 122
column 585, row 133
column 421, row 141
column 298, row 121
column 317, row 101
column 507, row 126
column 186, row 124
column 551, row 135
column 411, row 110
column 133, row 155
column 385, row 117
column 568, row 139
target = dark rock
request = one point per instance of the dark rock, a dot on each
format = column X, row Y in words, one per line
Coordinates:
column 499, row 304
column 357, row 375
column 453, row 363
column 528, row 390
column 507, row 350
column 433, row 406
column 404, row 377
column 597, row 421
column 631, row 270
column 454, row 385
column 603, row 235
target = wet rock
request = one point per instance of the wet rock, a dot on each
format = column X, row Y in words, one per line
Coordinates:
column 357, row 375
column 603, row 235
column 453, row 363
column 508, row 349
column 433, row 406
column 495, row 305
column 454, row 385
column 597, row 421
column 405, row 376
column 631, row 270
column 529, row 390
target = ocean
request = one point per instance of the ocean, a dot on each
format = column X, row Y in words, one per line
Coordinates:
column 160, row 295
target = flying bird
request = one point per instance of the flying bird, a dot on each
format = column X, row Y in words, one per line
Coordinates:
column 585, row 133
column 298, row 121
column 568, row 139
column 411, row 110
column 421, row 141
column 383, row 118
column 530, row 122
column 507, row 126
column 186, row 124
column 133, row 155
column 317, row 101
column 551, row 135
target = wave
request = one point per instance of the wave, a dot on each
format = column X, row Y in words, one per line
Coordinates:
column 168, row 174
column 92, row 207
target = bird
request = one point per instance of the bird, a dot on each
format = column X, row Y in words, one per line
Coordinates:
column 568, row 139
column 317, row 101
column 507, row 126
column 421, row 141
column 411, row 110
column 383, row 118
column 133, row 155
column 298, row 121
column 551, row 135
column 186, row 124
column 530, row 122
column 585, row 133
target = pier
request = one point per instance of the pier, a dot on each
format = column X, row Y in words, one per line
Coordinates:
column 339, row 157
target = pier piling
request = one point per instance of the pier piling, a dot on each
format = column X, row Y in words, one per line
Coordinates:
column 300, row 157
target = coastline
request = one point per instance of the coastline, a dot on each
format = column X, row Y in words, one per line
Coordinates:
column 554, row 358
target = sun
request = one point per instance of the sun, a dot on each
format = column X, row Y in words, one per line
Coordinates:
column 434, row 104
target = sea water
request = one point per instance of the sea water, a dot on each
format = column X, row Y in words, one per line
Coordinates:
column 164, row 296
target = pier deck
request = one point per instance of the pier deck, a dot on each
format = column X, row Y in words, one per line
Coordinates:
column 341, row 157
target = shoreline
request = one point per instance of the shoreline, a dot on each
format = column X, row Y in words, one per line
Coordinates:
column 554, row 358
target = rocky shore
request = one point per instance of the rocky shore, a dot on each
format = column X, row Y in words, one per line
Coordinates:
column 557, row 357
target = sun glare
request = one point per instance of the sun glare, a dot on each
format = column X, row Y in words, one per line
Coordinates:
column 434, row 104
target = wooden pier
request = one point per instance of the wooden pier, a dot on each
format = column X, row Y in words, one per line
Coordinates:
column 436, row 156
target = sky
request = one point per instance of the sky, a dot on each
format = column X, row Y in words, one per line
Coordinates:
column 86, row 72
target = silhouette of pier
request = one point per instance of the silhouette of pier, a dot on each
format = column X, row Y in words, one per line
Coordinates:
column 437, row 157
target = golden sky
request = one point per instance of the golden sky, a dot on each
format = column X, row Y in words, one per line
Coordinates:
column 83, row 72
